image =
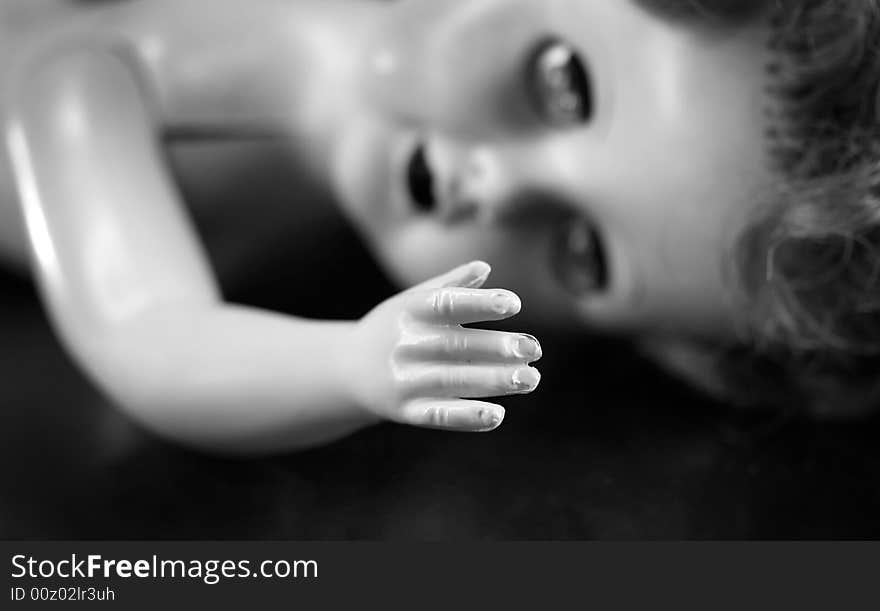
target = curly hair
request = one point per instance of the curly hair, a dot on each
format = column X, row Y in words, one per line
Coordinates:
column 808, row 264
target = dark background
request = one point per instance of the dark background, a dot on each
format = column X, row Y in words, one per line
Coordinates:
column 609, row 448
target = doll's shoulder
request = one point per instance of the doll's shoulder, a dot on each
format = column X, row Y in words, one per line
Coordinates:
column 33, row 28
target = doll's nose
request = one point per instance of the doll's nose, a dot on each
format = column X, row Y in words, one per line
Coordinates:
column 494, row 184
column 454, row 65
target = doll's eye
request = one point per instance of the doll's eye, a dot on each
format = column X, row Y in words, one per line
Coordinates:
column 559, row 84
column 580, row 259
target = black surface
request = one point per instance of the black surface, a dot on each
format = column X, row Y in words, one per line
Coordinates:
column 609, row 448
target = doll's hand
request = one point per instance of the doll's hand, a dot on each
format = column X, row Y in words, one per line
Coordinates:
column 411, row 361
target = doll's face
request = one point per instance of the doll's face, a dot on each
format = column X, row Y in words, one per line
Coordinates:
column 600, row 158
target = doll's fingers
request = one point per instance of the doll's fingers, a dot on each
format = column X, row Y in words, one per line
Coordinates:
column 471, row 381
column 456, row 305
column 474, row 345
column 452, row 414
column 470, row 275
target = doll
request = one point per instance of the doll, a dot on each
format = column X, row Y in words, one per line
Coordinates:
column 625, row 167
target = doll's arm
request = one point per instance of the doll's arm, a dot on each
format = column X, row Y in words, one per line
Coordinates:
column 132, row 295
column 128, row 285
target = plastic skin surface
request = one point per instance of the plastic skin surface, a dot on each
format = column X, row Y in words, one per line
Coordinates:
column 128, row 285
column 658, row 169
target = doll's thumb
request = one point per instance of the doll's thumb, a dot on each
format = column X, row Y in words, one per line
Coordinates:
column 470, row 275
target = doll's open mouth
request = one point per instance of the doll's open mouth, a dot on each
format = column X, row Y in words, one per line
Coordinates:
column 581, row 261
column 420, row 181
